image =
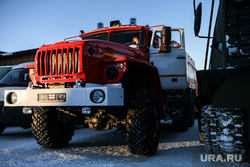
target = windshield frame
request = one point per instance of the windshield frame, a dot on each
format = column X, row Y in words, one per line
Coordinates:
column 110, row 31
column 95, row 36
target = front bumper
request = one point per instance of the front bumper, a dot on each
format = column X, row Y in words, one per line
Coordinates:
column 74, row 97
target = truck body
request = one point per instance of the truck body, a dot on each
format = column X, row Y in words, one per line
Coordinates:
column 224, row 91
column 123, row 76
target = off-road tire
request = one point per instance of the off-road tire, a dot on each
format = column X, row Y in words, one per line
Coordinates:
column 224, row 130
column 186, row 119
column 143, row 124
column 189, row 106
column 2, row 127
column 48, row 131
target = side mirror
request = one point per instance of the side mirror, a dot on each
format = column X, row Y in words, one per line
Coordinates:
column 197, row 21
column 165, row 40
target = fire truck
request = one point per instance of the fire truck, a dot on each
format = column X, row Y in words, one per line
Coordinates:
column 124, row 76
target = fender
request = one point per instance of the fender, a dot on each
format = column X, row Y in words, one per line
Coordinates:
column 141, row 76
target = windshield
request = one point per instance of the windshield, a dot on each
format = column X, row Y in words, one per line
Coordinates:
column 102, row 36
column 127, row 37
column 18, row 76
column 4, row 70
column 122, row 37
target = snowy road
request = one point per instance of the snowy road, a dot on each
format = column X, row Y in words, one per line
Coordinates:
column 104, row 148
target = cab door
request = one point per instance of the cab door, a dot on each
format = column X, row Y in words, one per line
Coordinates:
column 171, row 66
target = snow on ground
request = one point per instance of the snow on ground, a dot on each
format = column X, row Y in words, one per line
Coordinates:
column 92, row 148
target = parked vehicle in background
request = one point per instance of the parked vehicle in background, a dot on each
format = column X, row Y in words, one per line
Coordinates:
column 16, row 78
column 224, row 90
column 4, row 70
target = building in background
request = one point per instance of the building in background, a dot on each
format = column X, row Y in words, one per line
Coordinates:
column 13, row 58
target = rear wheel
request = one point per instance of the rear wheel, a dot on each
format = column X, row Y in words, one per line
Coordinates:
column 143, row 124
column 185, row 108
column 189, row 106
column 48, row 131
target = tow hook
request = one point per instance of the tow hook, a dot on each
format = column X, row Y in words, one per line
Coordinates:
column 27, row 110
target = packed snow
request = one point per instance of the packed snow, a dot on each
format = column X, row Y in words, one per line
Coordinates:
column 92, row 148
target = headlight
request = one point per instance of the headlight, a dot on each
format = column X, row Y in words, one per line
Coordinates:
column 121, row 66
column 12, row 98
column 97, row 96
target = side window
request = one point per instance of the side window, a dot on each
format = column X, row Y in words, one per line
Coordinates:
column 157, row 39
column 176, row 39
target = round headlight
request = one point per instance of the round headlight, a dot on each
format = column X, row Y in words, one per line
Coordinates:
column 13, row 98
column 97, row 96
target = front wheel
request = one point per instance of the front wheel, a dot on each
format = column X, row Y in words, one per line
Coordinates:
column 143, row 124
column 48, row 131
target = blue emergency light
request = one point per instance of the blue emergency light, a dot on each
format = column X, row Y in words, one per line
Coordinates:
column 132, row 21
column 99, row 25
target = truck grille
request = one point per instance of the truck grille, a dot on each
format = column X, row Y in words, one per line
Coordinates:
column 58, row 62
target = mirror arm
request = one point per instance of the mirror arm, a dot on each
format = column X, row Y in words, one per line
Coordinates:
column 194, row 6
column 209, row 34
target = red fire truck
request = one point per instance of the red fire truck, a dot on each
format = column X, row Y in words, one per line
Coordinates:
column 124, row 76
